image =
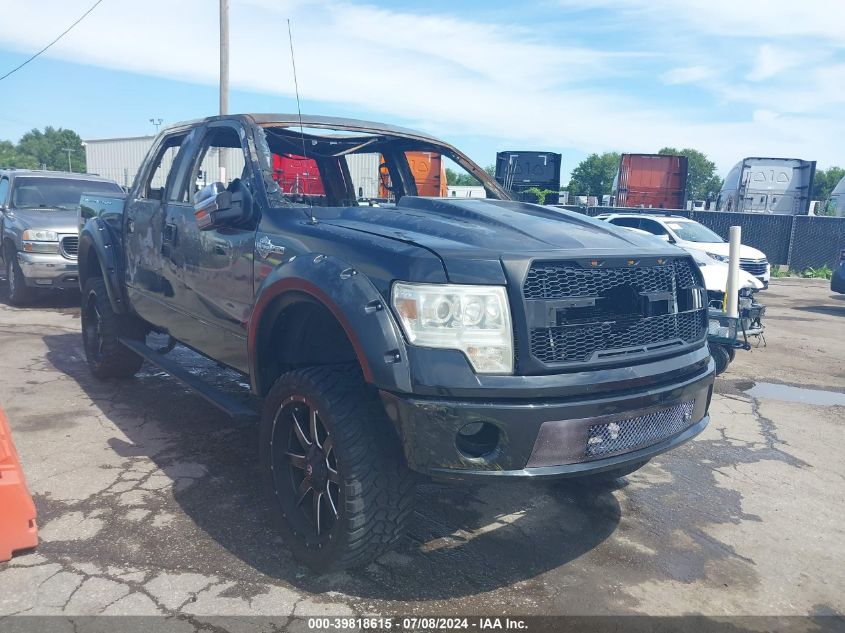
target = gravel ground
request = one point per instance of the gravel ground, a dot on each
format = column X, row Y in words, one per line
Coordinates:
column 148, row 502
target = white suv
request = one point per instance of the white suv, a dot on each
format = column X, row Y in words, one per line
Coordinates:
column 692, row 236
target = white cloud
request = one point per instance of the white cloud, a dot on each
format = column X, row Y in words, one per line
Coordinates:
column 455, row 76
column 687, row 75
column 771, row 61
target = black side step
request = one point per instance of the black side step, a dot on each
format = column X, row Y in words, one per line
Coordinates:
column 227, row 403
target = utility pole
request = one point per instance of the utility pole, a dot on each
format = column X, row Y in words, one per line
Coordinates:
column 224, row 56
column 69, row 151
column 157, row 122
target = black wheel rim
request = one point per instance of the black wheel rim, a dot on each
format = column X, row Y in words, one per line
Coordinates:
column 305, row 469
column 92, row 327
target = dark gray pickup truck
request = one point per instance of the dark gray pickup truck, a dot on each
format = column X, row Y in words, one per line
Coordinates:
column 38, row 212
column 454, row 338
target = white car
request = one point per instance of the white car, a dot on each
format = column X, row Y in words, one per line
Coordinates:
column 692, row 236
column 715, row 273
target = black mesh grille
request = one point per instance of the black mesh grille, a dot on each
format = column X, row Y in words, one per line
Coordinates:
column 627, row 310
column 624, row 336
column 644, row 430
column 549, row 280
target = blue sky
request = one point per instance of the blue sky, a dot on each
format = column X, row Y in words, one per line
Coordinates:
column 573, row 76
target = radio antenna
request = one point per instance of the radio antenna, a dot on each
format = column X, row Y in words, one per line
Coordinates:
column 313, row 220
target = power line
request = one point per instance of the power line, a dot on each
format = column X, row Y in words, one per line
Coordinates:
column 65, row 32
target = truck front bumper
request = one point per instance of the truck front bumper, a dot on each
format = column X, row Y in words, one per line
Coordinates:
column 461, row 439
column 49, row 271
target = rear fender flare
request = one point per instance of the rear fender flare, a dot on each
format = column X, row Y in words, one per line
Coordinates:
column 355, row 303
column 96, row 240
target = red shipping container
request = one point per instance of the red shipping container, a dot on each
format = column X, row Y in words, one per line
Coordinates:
column 297, row 175
column 652, row 181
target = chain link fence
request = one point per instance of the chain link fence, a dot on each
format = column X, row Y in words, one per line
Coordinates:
column 796, row 241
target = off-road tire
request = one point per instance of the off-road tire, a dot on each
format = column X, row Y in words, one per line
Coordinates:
column 374, row 486
column 721, row 356
column 106, row 357
column 19, row 293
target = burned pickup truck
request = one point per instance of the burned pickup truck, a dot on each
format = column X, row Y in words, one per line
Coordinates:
column 452, row 338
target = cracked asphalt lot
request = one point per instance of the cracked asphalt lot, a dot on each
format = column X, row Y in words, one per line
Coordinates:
column 148, row 502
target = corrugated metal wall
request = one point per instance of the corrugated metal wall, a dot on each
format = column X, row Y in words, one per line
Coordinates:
column 118, row 159
column 364, row 171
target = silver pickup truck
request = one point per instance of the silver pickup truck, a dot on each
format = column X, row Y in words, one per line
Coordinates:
column 38, row 225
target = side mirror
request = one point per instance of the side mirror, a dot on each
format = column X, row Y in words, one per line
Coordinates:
column 215, row 206
column 666, row 237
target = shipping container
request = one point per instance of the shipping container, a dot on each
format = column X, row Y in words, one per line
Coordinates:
column 429, row 174
column 768, row 185
column 517, row 171
column 652, row 181
column 297, row 175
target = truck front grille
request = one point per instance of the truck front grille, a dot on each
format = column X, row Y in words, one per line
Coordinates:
column 616, row 338
column 644, row 430
column 550, row 280
column 617, row 308
column 756, row 267
column 70, row 246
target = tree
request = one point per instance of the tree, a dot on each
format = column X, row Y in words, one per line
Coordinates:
column 11, row 157
column 460, row 178
column 825, row 181
column 702, row 181
column 594, row 175
column 50, row 148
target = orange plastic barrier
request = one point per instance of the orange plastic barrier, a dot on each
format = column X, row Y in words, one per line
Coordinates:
column 17, row 511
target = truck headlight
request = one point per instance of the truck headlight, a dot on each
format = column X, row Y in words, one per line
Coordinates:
column 31, row 235
column 720, row 258
column 473, row 319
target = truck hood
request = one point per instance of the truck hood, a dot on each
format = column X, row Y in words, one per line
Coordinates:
column 481, row 229
column 47, row 219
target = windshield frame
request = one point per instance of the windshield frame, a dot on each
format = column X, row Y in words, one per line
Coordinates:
column 399, row 141
column 53, row 183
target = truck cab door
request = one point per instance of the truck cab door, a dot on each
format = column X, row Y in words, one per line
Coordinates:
column 215, row 267
column 151, row 292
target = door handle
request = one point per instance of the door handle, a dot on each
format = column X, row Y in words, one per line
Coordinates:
column 222, row 248
column 130, row 226
column 169, row 232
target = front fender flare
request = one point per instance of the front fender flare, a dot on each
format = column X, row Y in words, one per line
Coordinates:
column 354, row 301
column 96, row 240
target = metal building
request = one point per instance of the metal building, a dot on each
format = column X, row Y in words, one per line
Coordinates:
column 117, row 158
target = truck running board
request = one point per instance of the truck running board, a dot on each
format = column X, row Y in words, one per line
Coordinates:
column 227, row 403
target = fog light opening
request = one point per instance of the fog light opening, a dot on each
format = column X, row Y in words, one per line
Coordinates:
column 477, row 439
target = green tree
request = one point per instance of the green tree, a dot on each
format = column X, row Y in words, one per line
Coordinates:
column 824, row 182
column 703, row 183
column 11, row 157
column 460, row 178
column 594, row 175
column 50, row 148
